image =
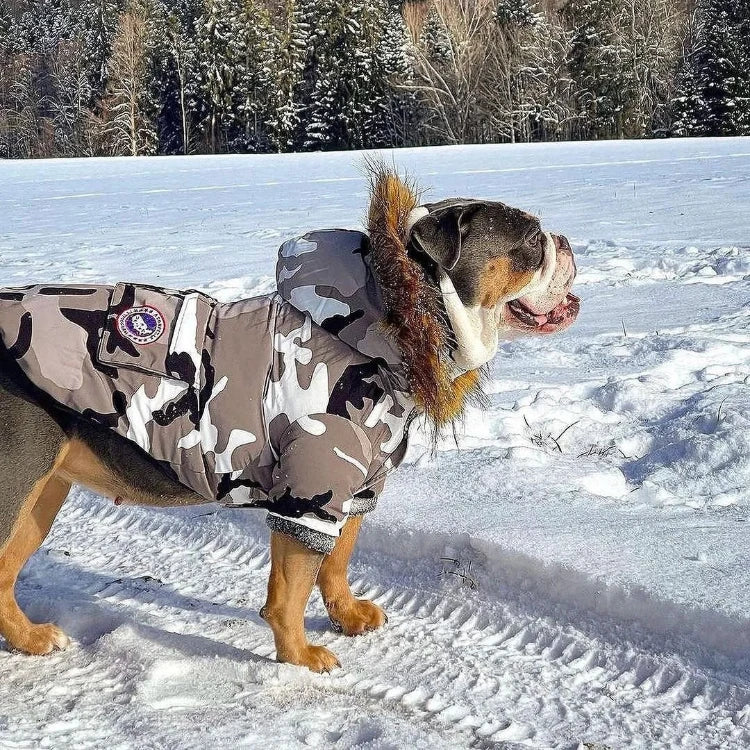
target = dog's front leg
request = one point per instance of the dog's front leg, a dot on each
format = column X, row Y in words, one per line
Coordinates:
column 294, row 569
column 353, row 616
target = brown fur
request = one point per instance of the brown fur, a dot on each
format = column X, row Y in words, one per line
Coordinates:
column 34, row 521
column 83, row 465
column 352, row 616
column 413, row 308
column 295, row 570
column 500, row 280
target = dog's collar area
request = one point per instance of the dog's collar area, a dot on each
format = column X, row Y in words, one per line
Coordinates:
column 474, row 328
column 414, row 216
column 414, row 298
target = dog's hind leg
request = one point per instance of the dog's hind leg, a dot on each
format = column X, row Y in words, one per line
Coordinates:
column 353, row 616
column 34, row 521
column 33, row 447
column 294, row 569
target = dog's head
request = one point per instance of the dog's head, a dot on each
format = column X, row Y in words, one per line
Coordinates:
column 500, row 272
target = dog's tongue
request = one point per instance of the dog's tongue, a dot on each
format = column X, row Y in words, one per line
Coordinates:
column 556, row 319
column 563, row 314
column 555, row 314
column 538, row 307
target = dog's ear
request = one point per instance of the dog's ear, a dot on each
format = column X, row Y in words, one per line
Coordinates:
column 440, row 234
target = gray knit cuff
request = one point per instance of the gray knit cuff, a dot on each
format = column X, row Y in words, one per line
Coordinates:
column 314, row 540
column 364, row 503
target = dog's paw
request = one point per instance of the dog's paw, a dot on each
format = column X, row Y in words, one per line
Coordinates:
column 357, row 617
column 41, row 639
column 315, row 658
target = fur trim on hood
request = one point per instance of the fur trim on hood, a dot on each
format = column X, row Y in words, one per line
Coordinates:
column 415, row 313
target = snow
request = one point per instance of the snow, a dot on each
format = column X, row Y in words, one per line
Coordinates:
column 575, row 572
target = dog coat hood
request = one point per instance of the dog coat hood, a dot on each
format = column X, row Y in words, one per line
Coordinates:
column 295, row 402
column 327, row 275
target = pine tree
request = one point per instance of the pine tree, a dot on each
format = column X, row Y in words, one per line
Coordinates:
column 215, row 30
column 352, row 60
column 98, row 20
column 596, row 65
column 286, row 101
column 45, row 89
column 399, row 101
column 179, row 70
column 515, row 12
column 378, row 108
column 435, row 39
column 6, row 65
column 252, row 51
column 714, row 87
column 69, row 99
column 329, row 55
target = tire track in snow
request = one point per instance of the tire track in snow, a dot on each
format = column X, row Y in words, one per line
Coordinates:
column 474, row 672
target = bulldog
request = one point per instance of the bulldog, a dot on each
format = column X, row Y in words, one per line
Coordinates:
column 298, row 402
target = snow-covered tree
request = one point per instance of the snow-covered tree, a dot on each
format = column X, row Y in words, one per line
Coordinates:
column 252, row 53
column 544, row 108
column 98, row 20
column 215, row 29
column 596, row 65
column 234, row 50
column 288, row 68
column 623, row 59
column 179, row 70
column 23, row 100
column 69, row 100
column 452, row 66
column 7, row 60
column 518, row 71
column 178, row 76
column 516, row 13
column 714, row 86
column 129, row 107
column 650, row 35
column 352, row 57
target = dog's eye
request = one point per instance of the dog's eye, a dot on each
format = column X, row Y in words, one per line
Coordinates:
column 532, row 251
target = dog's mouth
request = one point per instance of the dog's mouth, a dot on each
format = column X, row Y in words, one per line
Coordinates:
column 558, row 319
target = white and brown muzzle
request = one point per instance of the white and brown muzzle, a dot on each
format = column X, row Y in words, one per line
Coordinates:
column 546, row 304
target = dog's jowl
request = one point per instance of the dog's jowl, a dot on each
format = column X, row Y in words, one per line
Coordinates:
column 298, row 402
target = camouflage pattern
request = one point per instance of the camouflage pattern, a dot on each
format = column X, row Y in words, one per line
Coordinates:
column 295, row 402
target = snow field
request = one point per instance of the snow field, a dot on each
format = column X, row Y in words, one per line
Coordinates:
column 577, row 572
column 172, row 653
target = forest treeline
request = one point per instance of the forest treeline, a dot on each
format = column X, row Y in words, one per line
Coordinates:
column 100, row 77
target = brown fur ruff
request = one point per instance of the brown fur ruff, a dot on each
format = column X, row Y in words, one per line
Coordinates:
column 414, row 311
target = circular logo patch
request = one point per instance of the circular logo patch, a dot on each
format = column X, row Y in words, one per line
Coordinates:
column 142, row 325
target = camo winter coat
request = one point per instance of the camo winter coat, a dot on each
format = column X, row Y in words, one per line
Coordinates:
column 295, row 402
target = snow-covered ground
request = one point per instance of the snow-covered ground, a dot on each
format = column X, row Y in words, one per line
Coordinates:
column 596, row 591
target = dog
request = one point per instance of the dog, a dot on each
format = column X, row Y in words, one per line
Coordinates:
column 298, row 402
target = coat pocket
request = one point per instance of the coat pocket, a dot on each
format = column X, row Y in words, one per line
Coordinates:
column 156, row 331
